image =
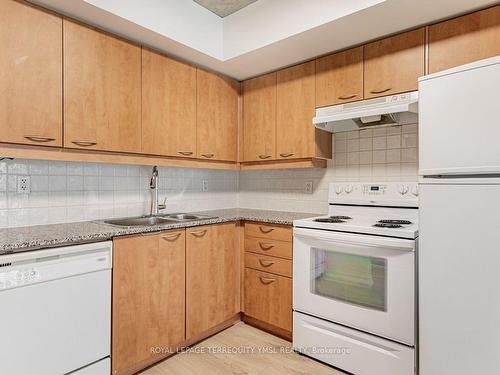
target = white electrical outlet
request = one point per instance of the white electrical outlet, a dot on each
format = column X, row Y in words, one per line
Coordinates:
column 308, row 187
column 204, row 185
column 23, row 184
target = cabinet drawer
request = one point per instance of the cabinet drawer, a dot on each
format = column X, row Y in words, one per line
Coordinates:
column 268, row 247
column 264, row 263
column 268, row 298
column 273, row 232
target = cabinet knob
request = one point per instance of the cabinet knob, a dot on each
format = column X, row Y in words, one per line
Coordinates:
column 207, row 155
column 39, row 138
column 185, row 153
column 287, row 154
column 264, row 156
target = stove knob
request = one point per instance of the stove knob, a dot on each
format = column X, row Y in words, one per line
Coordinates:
column 348, row 189
column 403, row 189
column 414, row 190
column 338, row 189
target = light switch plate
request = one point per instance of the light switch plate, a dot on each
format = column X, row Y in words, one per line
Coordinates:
column 23, row 184
column 308, row 187
column 204, row 185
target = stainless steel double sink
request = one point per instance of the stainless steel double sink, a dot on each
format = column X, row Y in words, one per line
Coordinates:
column 145, row 221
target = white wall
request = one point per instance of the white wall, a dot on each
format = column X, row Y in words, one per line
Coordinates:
column 66, row 192
column 266, row 22
column 183, row 21
column 386, row 154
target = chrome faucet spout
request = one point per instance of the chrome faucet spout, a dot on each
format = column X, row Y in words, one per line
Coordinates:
column 153, row 185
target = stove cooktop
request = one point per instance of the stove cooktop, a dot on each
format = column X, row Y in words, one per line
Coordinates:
column 383, row 209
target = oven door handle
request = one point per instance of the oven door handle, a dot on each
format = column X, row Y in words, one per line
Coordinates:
column 356, row 240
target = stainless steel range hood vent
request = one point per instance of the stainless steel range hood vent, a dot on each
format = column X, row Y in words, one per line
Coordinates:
column 391, row 110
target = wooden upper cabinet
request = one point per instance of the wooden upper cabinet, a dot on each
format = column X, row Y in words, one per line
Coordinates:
column 212, row 277
column 465, row 39
column 102, row 91
column 393, row 65
column 30, row 75
column 259, row 118
column 339, row 77
column 148, row 298
column 217, row 117
column 168, row 106
column 296, row 136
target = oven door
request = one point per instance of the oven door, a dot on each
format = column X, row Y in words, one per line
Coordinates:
column 361, row 281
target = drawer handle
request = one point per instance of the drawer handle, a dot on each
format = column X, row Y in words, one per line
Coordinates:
column 265, row 263
column 266, row 280
column 84, row 143
column 266, row 230
column 380, row 91
column 265, row 246
column 345, row 97
column 171, row 237
column 286, row 154
column 207, row 155
column 185, row 153
column 264, row 156
column 200, row 233
column 39, row 138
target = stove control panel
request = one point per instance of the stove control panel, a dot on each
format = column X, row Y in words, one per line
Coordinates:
column 400, row 194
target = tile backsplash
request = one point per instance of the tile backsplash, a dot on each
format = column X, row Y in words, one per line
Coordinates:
column 383, row 154
column 67, row 192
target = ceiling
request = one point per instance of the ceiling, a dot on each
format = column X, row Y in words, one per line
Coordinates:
column 224, row 8
column 265, row 36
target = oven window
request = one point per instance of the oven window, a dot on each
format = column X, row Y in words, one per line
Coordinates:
column 356, row 279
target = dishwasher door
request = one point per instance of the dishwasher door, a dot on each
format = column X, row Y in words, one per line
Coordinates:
column 55, row 311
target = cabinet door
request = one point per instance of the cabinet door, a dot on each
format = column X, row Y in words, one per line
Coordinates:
column 217, row 117
column 212, row 277
column 339, row 77
column 259, row 118
column 102, row 91
column 393, row 65
column 30, row 75
column 295, row 110
column 148, row 297
column 268, row 298
column 462, row 40
column 168, row 106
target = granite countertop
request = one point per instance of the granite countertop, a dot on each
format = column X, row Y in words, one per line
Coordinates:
column 37, row 237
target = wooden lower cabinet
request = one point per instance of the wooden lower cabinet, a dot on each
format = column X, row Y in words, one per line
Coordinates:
column 148, row 298
column 212, row 277
column 268, row 298
column 267, row 284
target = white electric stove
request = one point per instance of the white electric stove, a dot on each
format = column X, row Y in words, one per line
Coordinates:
column 354, row 279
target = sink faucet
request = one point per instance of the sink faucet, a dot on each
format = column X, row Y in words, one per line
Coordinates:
column 153, row 185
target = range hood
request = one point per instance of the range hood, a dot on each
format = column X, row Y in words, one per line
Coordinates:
column 390, row 110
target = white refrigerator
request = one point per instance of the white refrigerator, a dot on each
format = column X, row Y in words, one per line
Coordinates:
column 459, row 239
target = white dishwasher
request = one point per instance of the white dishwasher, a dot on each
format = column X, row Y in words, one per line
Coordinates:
column 55, row 311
